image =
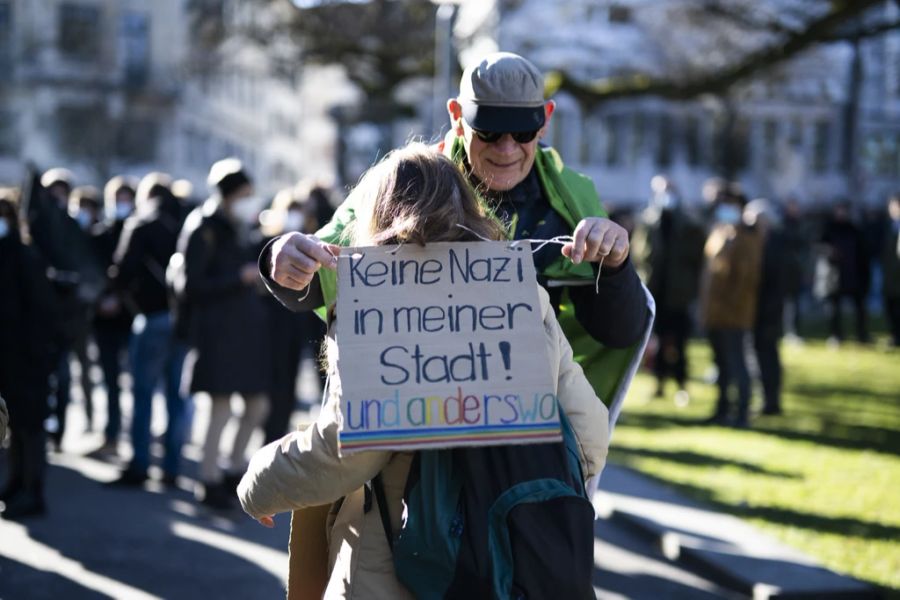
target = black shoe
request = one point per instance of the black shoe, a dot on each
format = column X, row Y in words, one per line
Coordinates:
column 130, row 478
column 715, row 420
column 771, row 410
column 216, row 496
column 23, row 506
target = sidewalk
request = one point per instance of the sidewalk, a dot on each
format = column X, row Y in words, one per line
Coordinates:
column 718, row 547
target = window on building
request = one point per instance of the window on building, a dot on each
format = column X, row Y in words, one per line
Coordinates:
column 664, row 141
column 611, row 134
column 740, row 143
column 83, row 132
column 638, row 136
column 9, row 134
column 136, row 140
column 5, row 32
column 692, row 141
column 821, row 147
column 795, row 134
column 80, row 30
column 135, row 47
column 588, row 133
column 619, row 14
column 770, row 143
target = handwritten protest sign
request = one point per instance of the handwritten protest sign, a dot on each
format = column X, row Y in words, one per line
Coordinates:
column 442, row 346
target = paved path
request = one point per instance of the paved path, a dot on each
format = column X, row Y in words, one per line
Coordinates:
column 106, row 542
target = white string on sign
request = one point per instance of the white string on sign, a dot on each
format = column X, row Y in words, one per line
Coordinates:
column 562, row 240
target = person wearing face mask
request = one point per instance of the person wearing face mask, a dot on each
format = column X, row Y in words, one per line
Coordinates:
column 30, row 334
column 138, row 277
column 668, row 249
column 84, row 207
column 76, row 274
column 728, row 302
column 292, row 209
column 112, row 316
column 227, row 330
column 890, row 264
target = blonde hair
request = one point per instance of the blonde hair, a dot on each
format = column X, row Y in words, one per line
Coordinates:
column 414, row 196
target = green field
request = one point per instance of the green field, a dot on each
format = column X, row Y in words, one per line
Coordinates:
column 824, row 477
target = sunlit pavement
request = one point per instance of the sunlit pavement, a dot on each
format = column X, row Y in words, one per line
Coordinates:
column 99, row 541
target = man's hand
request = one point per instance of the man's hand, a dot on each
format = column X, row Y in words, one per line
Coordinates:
column 297, row 256
column 598, row 239
column 267, row 521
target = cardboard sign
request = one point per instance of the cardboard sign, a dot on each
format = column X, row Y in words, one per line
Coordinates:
column 442, row 346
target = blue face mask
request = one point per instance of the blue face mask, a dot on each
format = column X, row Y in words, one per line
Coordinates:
column 728, row 214
column 4, row 228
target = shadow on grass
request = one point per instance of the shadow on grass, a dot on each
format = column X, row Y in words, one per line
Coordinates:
column 697, row 459
column 845, row 526
column 831, row 433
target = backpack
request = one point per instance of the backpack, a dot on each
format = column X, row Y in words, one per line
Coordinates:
column 498, row 522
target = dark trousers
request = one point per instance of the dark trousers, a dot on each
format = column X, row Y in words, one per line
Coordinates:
column 27, row 462
column 769, row 360
column 112, row 345
column 62, row 393
column 728, row 353
column 291, row 334
column 672, row 330
column 859, row 305
column 892, row 310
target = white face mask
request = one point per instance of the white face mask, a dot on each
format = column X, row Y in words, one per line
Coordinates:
column 294, row 221
column 84, row 219
column 246, row 209
column 4, row 228
column 123, row 210
column 728, row 213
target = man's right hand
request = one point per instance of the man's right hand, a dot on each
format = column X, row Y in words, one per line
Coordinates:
column 297, row 256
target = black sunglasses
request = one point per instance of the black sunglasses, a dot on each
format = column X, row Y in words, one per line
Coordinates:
column 490, row 137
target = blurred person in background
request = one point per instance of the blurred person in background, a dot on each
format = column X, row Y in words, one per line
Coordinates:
column 728, row 298
column 74, row 270
column 795, row 230
column 85, row 206
column 304, row 208
column 890, row 265
column 30, row 329
column 776, row 271
column 847, row 254
column 146, row 245
column 112, row 315
column 227, row 325
column 668, row 249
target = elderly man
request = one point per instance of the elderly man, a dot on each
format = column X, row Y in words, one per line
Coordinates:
column 497, row 122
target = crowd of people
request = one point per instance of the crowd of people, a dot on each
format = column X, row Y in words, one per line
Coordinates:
column 747, row 272
column 166, row 289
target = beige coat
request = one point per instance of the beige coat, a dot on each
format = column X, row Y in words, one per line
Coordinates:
column 729, row 287
column 304, row 469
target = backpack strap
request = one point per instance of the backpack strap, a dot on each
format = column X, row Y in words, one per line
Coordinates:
column 378, row 488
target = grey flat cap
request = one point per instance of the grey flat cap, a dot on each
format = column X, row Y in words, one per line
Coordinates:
column 503, row 93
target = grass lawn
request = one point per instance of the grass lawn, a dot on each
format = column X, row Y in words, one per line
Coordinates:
column 824, row 477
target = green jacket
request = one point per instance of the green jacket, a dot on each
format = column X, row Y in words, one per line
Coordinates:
column 574, row 197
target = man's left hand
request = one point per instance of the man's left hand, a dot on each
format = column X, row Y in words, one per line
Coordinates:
column 598, row 239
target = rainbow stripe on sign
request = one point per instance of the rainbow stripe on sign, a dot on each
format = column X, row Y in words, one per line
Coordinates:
column 442, row 437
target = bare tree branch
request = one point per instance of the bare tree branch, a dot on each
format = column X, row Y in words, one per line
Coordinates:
column 818, row 30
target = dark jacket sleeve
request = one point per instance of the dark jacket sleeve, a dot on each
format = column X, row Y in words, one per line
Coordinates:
column 128, row 254
column 297, row 301
column 199, row 285
column 616, row 316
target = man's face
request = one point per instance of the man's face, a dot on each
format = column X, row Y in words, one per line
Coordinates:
column 503, row 164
